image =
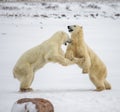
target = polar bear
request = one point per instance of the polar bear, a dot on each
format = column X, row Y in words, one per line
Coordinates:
column 91, row 63
column 37, row 57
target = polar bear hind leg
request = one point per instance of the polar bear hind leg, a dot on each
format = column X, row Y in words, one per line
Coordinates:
column 98, row 83
column 107, row 85
column 24, row 73
column 26, row 82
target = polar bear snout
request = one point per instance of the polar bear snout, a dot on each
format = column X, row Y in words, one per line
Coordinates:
column 69, row 40
column 68, row 27
column 71, row 28
column 74, row 27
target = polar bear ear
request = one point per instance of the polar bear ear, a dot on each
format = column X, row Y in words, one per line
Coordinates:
column 81, row 26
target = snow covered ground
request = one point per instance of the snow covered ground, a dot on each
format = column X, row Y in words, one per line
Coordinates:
column 25, row 25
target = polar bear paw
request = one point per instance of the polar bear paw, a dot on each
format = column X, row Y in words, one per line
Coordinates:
column 26, row 89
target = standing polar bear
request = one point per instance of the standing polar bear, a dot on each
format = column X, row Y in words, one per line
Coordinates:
column 37, row 57
column 91, row 63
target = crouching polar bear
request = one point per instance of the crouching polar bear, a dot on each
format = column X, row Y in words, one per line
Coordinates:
column 37, row 57
column 91, row 63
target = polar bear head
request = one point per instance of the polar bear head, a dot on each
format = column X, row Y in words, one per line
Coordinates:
column 61, row 37
column 74, row 28
column 65, row 38
column 76, row 32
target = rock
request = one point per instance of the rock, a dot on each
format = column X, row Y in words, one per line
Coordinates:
column 117, row 14
column 32, row 105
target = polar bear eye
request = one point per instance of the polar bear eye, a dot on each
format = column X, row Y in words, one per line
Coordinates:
column 74, row 25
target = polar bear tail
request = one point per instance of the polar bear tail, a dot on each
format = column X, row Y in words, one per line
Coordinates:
column 107, row 84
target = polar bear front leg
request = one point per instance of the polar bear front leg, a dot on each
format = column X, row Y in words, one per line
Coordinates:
column 81, row 63
column 85, row 64
column 69, row 55
column 57, row 58
column 63, row 61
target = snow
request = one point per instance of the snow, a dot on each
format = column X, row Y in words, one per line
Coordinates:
column 24, row 107
column 66, row 87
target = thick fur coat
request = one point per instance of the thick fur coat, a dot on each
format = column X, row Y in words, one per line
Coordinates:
column 37, row 57
column 90, row 63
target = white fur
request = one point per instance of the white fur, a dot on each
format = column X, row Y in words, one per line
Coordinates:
column 37, row 57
